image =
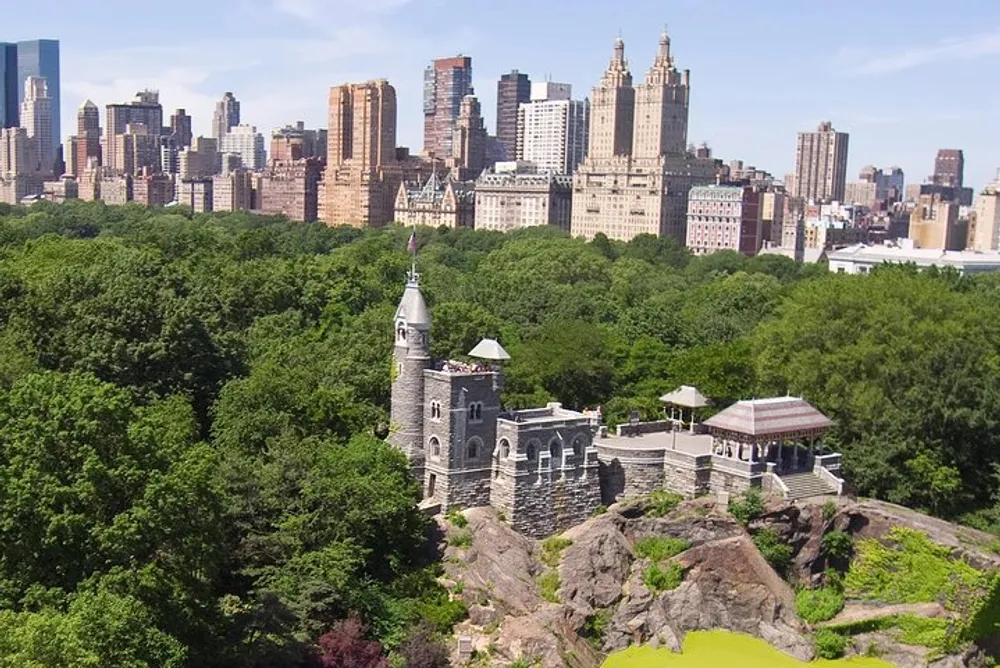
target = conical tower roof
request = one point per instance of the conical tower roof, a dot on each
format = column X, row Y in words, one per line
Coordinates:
column 412, row 307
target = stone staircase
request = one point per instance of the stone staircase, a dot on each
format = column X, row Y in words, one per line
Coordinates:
column 804, row 485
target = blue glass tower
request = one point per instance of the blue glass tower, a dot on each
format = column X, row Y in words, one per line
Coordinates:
column 40, row 58
column 9, row 105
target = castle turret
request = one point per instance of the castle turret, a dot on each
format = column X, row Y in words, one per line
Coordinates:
column 411, row 356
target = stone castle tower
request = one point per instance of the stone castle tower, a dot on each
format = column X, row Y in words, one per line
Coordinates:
column 411, row 357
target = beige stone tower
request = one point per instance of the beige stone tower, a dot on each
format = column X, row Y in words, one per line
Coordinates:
column 661, row 108
column 612, row 108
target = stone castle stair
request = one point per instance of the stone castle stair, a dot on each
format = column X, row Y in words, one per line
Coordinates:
column 805, row 485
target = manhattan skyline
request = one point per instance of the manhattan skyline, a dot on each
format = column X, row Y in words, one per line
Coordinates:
column 903, row 78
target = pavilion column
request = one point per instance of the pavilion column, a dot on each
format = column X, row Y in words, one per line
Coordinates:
column 795, row 454
column 781, row 447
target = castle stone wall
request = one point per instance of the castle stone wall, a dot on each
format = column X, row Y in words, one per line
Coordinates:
column 628, row 471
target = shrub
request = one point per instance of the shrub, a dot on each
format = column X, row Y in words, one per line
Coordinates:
column 818, row 605
column 552, row 549
column 594, row 627
column 599, row 510
column 748, row 508
column 829, row 644
column 424, row 649
column 659, row 548
column 549, row 583
column 457, row 519
column 776, row 552
column 659, row 579
column 838, row 545
column 661, row 502
column 829, row 510
column 462, row 540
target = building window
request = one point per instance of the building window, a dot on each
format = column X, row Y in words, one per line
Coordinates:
column 401, row 332
column 435, row 446
column 476, row 412
column 579, row 445
column 435, row 410
column 472, row 448
column 532, row 451
column 504, row 448
column 554, row 448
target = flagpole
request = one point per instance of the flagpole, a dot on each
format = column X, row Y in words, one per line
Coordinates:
column 413, row 254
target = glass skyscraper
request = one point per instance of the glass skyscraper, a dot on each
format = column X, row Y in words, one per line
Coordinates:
column 9, row 99
column 40, row 58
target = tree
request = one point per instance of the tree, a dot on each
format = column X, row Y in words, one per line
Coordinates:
column 345, row 646
column 424, row 649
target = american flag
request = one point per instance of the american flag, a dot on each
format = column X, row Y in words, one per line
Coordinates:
column 412, row 245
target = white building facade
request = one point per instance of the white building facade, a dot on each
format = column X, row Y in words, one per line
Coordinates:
column 36, row 118
column 863, row 259
column 552, row 129
column 246, row 142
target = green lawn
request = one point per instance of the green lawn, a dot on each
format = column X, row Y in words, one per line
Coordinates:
column 712, row 649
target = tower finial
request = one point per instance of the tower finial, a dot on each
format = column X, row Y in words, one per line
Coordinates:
column 411, row 246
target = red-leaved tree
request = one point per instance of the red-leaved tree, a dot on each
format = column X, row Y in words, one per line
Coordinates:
column 345, row 646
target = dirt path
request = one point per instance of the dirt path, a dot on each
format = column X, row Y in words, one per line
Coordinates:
column 861, row 612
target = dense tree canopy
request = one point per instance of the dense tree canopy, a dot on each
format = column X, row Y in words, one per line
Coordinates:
column 190, row 468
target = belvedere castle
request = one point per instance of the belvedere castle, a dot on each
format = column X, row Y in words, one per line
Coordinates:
column 547, row 469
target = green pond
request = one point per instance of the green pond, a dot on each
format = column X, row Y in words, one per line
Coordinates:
column 721, row 649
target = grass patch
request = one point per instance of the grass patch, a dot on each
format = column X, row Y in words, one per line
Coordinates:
column 829, row 644
column 659, row 579
column 747, row 508
column 462, row 540
column 939, row 635
column 837, row 545
column 773, row 549
column 818, row 605
column 549, row 584
column 659, row 548
column 662, row 502
column 599, row 510
column 552, row 549
column 594, row 627
column 457, row 519
column 912, row 569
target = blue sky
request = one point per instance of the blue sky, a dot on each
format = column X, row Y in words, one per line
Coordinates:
column 904, row 77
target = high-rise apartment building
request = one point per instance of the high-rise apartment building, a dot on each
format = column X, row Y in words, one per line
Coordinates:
column 135, row 151
column 36, row 118
column 295, row 142
column 446, row 83
column 513, row 197
column 821, row 164
column 638, row 170
column 86, row 144
column 180, row 129
column 197, row 194
column 9, row 85
column 513, row 90
column 468, row 147
column 363, row 167
column 40, row 58
column 201, row 160
column 226, row 116
column 949, row 168
column 232, row 191
column 247, row 143
column 552, row 129
column 145, row 111
column 291, row 189
column 935, row 224
column 987, row 233
column 724, row 218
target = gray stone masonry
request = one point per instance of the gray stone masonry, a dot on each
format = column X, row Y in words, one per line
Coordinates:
column 410, row 358
column 460, row 422
column 546, row 475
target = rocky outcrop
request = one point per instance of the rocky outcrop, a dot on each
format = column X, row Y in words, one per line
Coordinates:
column 727, row 584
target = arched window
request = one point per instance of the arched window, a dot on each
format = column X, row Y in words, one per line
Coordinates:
column 532, row 450
column 475, row 411
column 579, row 445
column 504, row 448
column 554, row 449
column 401, row 331
column 435, row 446
column 472, row 448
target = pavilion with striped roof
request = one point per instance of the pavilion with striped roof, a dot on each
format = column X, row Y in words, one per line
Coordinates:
column 781, row 430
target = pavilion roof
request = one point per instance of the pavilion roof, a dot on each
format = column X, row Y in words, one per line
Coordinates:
column 769, row 417
column 686, row 396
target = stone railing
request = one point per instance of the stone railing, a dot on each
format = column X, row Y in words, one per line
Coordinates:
column 643, row 428
column 828, row 462
column 827, row 476
column 737, row 466
column 775, row 484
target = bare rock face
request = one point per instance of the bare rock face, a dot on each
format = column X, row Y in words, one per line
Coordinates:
column 728, row 585
column 595, row 567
